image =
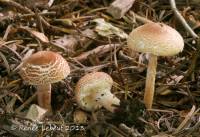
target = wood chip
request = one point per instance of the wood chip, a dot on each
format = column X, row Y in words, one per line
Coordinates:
column 36, row 113
column 119, row 7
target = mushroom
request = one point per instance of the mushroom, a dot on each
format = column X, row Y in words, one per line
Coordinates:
column 156, row 39
column 42, row 69
column 80, row 116
column 93, row 91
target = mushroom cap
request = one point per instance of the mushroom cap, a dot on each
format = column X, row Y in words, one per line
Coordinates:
column 156, row 38
column 44, row 67
column 88, row 86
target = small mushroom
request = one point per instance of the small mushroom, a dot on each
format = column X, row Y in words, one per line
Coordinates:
column 42, row 69
column 93, row 91
column 80, row 116
column 157, row 39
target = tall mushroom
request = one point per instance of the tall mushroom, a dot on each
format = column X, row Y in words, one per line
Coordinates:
column 42, row 69
column 93, row 91
column 157, row 39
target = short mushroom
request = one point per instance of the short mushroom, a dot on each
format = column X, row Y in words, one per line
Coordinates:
column 93, row 91
column 157, row 39
column 80, row 116
column 42, row 69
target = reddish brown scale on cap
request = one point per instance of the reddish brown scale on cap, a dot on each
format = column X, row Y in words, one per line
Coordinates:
column 44, row 67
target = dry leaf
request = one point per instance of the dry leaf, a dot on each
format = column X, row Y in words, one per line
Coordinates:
column 36, row 34
column 106, row 29
column 68, row 43
column 35, row 113
column 174, row 79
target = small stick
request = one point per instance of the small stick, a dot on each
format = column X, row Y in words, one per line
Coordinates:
column 140, row 18
column 119, row 7
column 8, row 20
column 99, row 50
column 193, row 63
column 9, row 28
column 182, row 20
column 17, row 5
column 187, row 118
column 30, row 99
column 26, row 10
column 130, row 131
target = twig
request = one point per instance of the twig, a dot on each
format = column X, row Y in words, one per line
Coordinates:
column 17, row 5
column 194, row 60
column 194, row 128
column 39, row 23
column 3, row 57
column 55, row 29
column 182, row 20
column 140, row 18
column 184, row 122
column 9, row 28
column 128, row 58
column 90, row 69
column 13, row 51
column 26, row 103
column 9, row 20
column 123, row 56
column 99, row 50
column 130, row 131
column 116, row 129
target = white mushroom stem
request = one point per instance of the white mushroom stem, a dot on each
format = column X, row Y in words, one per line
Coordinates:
column 107, row 100
column 44, row 96
column 150, row 81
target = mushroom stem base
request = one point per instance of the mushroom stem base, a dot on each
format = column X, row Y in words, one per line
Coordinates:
column 108, row 100
column 44, row 96
column 150, row 81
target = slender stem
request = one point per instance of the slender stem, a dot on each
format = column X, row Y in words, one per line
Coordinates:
column 107, row 100
column 150, row 81
column 44, row 96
